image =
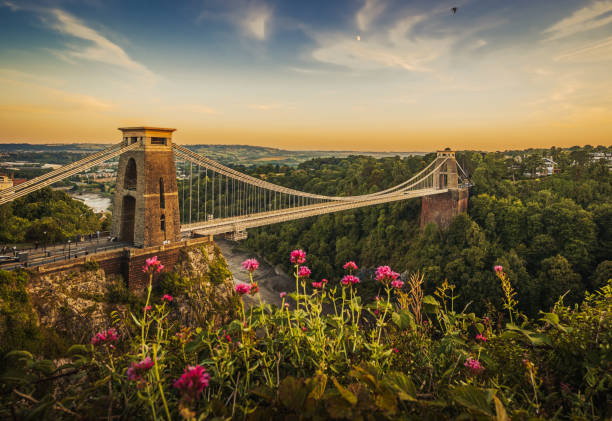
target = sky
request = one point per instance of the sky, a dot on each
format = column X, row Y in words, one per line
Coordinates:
column 377, row 75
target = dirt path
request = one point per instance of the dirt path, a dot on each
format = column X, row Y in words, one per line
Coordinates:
column 271, row 281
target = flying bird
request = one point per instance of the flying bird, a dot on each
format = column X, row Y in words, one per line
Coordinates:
column 454, row 9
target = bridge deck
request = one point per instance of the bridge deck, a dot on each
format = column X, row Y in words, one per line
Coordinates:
column 239, row 223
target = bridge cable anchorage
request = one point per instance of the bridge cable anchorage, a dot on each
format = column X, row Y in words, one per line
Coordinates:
column 426, row 185
column 62, row 169
column 61, row 175
column 187, row 154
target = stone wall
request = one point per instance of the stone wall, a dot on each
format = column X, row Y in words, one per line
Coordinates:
column 442, row 208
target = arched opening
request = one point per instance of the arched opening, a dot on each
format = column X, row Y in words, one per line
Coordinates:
column 131, row 176
column 128, row 217
column 162, row 197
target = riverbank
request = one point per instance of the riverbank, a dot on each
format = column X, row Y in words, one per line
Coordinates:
column 271, row 281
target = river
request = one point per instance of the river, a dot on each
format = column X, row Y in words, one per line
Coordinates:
column 95, row 201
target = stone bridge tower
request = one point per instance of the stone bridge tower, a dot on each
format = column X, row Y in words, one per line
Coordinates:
column 145, row 207
column 442, row 208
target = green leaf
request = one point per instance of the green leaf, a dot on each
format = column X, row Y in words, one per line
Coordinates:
column 553, row 319
column 500, row 410
column 292, row 393
column 346, row 394
column 402, row 385
column 403, row 320
column 474, row 398
column 78, row 349
column 22, row 355
column 430, row 304
column 317, row 385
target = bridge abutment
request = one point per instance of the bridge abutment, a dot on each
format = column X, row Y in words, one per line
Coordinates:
column 442, row 208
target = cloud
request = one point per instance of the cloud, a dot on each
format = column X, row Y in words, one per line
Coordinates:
column 255, row 23
column 600, row 51
column 594, row 16
column 368, row 13
column 101, row 49
column 396, row 47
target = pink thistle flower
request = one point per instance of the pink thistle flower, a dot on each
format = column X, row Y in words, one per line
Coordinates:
column 283, row 294
column 481, row 338
column 349, row 280
column 304, row 272
column 298, row 257
column 243, row 288
column 147, row 308
column 397, row 284
column 385, row 274
column 304, row 329
column 317, row 285
column 350, row 266
column 254, row 289
column 498, row 269
column 250, row 264
column 286, row 305
column 474, row 365
column 193, row 381
column 152, row 265
column 396, row 350
column 104, row 337
column 167, row 297
column 377, row 298
column 324, row 280
column 138, row 369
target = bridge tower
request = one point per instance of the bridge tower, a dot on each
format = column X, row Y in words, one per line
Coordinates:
column 145, row 207
column 442, row 208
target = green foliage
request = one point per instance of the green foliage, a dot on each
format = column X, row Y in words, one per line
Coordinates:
column 46, row 210
column 91, row 266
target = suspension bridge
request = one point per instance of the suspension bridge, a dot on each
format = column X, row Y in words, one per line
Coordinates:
column 154, row 204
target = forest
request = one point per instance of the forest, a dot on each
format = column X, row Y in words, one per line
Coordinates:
column 552, row 233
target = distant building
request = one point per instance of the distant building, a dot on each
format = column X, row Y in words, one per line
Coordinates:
column 5, row 182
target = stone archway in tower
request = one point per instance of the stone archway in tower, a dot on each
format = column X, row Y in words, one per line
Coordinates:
column 128, row 219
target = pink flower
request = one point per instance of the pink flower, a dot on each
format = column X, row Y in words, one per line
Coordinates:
column 250, row 264
column 147, row 308
column 243, row 288
column 317, row 285
column 350, row 266
column 138, row 369
column 498, row 269
column 304, row 329
column 385, row 274
column 167, row 297
column 298, row 257
column 254, row 289
column 104, row 337
column 152, row 265
column 397, row 284
column 304, row 272
column 283, row 294
column 396, row 350
column 193, row 381
column 349, row 280
column 286, row 305
column 474, row 366
column 324, row 280
column 481, row 338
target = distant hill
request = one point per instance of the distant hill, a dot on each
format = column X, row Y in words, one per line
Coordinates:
column 225, row 154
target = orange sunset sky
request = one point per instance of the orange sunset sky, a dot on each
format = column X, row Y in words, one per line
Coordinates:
column 371, row 75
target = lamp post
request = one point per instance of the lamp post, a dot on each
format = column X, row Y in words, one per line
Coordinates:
column 68, row 249
column 45, row 243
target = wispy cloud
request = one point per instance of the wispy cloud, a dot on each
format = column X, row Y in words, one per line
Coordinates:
column 593, row 16
column 256, row 21
column 100, row 49
column 97, row 46
column 368, row 13
column 598, row 51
